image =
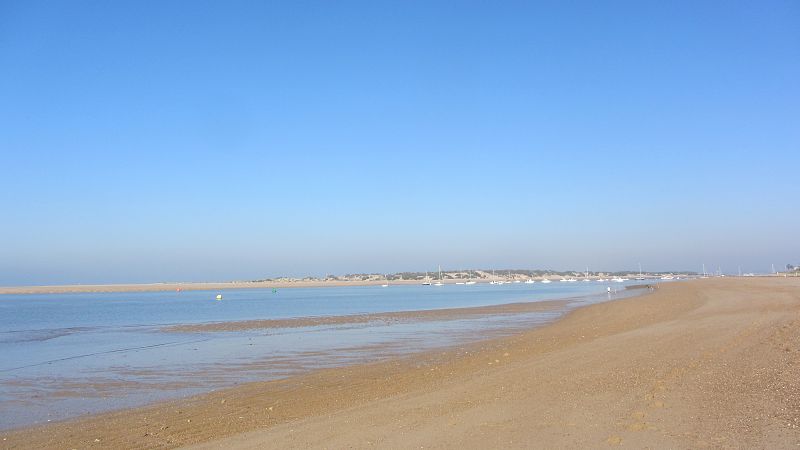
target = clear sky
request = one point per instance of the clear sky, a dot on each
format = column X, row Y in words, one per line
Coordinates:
column 168, row 140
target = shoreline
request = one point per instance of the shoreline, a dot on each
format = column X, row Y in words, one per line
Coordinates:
column 421, row 315
column 611, row 364
column 184, row 286
column 217, row 286
column 262, row 365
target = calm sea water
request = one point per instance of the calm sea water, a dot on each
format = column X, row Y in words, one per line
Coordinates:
column 64, row 355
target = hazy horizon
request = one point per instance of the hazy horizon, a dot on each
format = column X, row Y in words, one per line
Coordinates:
column 147, row 142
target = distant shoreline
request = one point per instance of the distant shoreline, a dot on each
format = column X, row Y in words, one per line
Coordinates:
column 216, row 286
column 207, row 286
column 189, row 286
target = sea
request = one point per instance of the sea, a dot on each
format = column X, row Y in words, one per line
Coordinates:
column 69, row 355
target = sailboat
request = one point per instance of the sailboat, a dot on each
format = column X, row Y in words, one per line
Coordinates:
column 439, row 283
column 427, row 280
column 640, row 277
column 469, row 278
column 387, row 282
column 587, row 275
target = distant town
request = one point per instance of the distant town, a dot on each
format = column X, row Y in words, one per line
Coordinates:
column 517, row 275
column 481, row 274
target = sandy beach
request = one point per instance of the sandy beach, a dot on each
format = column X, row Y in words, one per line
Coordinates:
column 697, row 364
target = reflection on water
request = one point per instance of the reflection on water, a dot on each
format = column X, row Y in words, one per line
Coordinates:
column 67, row 355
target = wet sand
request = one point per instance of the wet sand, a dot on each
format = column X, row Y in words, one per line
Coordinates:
column 703, row 363
column 388, row 317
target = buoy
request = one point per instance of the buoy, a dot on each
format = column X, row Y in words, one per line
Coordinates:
column 219, row 296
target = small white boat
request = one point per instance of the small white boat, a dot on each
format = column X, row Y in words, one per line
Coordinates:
column 460, row 282
column 469, row 278
column 618, row 280
column 529, row 281
column 546, row 280
column 439, row 283
column 219, row 296
column 640, row 277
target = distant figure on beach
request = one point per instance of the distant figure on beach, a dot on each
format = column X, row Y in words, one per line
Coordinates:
column 608, row 289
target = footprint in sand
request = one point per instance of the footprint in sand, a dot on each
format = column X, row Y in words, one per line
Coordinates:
column 638, row 426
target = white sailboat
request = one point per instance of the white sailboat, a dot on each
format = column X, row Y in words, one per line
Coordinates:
column 469, row 278
column 640, row 277
column 493, row 280
column 439, row 283
column 426, row 281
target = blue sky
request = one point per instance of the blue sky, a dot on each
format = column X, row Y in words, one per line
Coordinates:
column 151, row 141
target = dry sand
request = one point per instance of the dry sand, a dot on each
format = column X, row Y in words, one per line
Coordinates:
column 704, row 363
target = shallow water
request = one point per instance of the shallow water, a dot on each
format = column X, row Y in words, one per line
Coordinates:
column 65, row 355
